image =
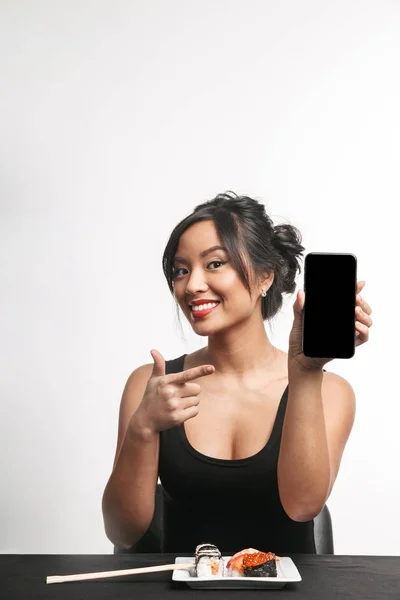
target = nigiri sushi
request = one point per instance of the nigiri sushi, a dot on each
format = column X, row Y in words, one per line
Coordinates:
column 208, row 561
column 252, row 563
column 259, row 564
column 234, row 566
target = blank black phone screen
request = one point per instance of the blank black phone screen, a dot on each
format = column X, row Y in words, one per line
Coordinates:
column 330, row 281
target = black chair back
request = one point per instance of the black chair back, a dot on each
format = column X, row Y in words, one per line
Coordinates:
column 323, row 532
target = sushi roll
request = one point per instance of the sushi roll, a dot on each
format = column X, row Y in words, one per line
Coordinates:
column 208, row 561
column 259, row 564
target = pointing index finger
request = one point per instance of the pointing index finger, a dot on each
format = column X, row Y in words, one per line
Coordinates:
column 190, row 374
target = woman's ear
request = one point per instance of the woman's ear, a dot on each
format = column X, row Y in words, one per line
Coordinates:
column 267, row 281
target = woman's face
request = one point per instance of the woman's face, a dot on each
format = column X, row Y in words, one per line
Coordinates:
column 210, row 277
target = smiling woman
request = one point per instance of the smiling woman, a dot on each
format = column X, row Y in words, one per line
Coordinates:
column 247, row 445
column 246, row 237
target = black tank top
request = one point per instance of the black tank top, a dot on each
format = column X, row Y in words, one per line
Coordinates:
column 233, row 504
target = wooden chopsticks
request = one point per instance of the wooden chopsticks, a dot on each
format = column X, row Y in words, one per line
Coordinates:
column 86, row 576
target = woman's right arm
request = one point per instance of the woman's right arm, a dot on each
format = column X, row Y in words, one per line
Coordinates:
column 128, row 499
column 152, row 401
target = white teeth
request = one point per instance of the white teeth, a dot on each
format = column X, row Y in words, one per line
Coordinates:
column 204, row 306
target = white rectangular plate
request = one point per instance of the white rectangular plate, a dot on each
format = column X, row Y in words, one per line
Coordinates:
column 286, row 569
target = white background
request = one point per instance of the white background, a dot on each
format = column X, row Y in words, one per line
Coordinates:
column 117, row 118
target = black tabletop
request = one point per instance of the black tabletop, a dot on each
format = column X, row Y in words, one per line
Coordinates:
column 23, row 576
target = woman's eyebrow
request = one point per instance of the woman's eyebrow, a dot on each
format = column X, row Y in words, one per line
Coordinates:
column 202, row 254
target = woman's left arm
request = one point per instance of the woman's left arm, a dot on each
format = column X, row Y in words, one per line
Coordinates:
column 318, row 420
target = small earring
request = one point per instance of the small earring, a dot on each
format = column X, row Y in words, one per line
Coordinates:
column 263, row 294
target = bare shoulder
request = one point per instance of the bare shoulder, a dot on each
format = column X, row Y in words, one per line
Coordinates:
column 339, row 400
column 140, row 373
column 131, row 398
column 336, row 386
column 135, row 387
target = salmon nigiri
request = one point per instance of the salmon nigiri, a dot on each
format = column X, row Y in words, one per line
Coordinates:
column 234, row 565
column 236, row 568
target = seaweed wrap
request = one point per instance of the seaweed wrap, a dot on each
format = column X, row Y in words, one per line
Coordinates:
column 259, row 564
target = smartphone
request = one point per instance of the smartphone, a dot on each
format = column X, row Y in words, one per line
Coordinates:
column 330, row 283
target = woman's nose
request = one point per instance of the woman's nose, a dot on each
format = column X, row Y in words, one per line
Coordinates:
column 195, row 284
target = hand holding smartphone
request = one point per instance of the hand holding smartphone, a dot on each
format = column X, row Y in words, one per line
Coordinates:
column 330, row 282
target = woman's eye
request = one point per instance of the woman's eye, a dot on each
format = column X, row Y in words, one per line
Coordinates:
column 219, row 262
